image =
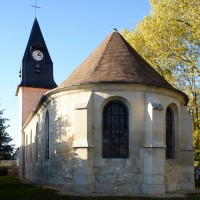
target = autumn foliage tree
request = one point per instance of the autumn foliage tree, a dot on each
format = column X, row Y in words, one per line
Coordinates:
column 169, row 39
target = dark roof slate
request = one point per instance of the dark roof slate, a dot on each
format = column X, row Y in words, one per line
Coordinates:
column 29, row 76
column 36, row 39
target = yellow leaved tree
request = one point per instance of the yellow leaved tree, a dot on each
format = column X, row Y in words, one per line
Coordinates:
column 169, row 39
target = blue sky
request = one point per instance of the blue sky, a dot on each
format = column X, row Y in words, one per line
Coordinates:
column 72, row 29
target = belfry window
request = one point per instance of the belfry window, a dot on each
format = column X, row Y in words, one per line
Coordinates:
column 46, row 128
column 170, row 134
column 37, row 69
column 115, row 141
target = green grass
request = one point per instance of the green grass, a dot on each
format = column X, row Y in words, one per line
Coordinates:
column 13, row 189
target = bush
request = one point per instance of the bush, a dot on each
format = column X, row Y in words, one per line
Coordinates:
column 3, row 171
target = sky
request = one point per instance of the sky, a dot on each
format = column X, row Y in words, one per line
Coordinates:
column 72, row 29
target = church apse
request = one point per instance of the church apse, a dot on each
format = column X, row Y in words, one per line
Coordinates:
column 68, row 141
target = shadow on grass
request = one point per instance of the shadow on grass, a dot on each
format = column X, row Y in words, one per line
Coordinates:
column 11, row 188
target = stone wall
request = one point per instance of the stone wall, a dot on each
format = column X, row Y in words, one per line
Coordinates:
column 172, row 176
column 120, row 180
column 9, row 163
column 76, row 162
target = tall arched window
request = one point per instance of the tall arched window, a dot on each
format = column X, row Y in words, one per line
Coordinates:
column 36, row 142
column 26, row 148
column 31, row 146
column 46, row 131
column 115, row 141
column 170, row 134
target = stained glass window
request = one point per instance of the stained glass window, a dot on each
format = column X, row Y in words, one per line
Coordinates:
column 115, row 142
column 170, row 134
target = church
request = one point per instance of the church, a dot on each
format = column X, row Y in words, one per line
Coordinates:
column 114, row 126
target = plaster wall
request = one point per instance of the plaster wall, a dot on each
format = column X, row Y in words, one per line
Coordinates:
column 76, row 162
column 28, row 99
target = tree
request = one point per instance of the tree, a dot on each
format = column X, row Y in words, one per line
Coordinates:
column 169, row 39
column 5, row 148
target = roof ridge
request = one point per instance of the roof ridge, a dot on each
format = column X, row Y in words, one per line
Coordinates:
column 106, row 46
column 125, row 44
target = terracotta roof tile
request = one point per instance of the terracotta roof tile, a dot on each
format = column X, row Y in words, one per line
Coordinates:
column 115, row 61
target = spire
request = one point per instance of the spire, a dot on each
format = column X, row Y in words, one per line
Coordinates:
column 37, row 66
column 36, row 40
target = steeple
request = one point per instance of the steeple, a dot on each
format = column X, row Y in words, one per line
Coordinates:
column 37, row 66
column 36, row 73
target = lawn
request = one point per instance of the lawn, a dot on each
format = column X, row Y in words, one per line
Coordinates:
column 12, row 188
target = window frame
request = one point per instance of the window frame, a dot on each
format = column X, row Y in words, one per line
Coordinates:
column 170, row 134
column 116, row 139
column 37, row 143
column 46, row 136
column 31, row 146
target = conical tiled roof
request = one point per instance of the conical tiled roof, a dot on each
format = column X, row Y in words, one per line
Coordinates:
column 115, row 61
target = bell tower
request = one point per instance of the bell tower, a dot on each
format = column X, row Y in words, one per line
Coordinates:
column 36, row 73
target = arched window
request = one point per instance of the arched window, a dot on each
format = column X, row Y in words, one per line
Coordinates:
column 46, row 131
column 170, row 134
column 36, row 142
column 31, row 146
column 26, row 148
column 115, row 141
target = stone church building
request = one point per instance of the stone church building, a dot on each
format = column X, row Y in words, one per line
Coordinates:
column 114, row 126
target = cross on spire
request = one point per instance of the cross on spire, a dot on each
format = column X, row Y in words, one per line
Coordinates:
column 35, row 6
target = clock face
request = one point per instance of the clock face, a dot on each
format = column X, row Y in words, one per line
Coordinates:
column 37, row 55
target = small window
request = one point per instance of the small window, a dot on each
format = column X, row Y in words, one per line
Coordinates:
column 26, row 148
column 31, row 146
column 115, row 141
column 36, row 143
column 37, row 69
column 46, row 128
column 170, row 134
